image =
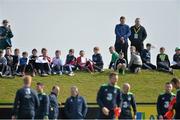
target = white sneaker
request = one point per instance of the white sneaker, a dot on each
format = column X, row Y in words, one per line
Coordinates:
column 71, row 74
column 137, row 70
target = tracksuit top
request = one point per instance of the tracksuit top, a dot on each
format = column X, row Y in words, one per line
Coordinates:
column 26, row 102
column 43, row 109
column 163, row 102
column 109, row 96
column 75, row 107
column 98, row 59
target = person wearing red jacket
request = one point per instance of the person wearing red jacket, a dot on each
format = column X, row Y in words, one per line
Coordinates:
column 83, row 63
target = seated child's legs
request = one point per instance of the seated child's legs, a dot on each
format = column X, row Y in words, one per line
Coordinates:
column 152, row 66
column 111, row 65
column 133, row 67
column 46, row 68
column 176, row 66
column 57, row 69
column 163, row 65
column 89, row 65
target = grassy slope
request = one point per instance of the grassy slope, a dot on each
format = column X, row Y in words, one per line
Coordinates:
column 146, row 86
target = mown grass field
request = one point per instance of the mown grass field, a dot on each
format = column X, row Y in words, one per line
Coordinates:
column 146, row 85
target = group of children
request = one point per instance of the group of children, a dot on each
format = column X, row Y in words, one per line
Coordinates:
column 11, row 65
column 142, row 60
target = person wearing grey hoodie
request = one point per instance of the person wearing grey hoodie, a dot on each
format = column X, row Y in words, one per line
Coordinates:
column 135, row 63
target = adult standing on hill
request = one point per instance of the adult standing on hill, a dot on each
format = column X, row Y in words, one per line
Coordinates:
column 122, row 32
column 5, row 35
column 138, row 35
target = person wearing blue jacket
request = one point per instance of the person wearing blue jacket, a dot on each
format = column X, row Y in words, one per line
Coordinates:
column 26, row 101
column 53, row 105
column 122, row 32
column 75, row 106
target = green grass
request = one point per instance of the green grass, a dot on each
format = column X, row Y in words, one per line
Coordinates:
column 146, row 85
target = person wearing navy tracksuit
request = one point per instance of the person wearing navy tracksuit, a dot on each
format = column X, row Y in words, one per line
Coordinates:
column 75, row 106
column 109, row 97
column 53, row 103
column 26, row 101
column 122, row 32
column 128, row 102
column 163, row 100
column 43, row 111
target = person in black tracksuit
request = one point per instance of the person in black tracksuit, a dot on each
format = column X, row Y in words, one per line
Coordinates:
column 75, row 106
column 164, row 100
column 97, row 60
column 109, row 97
column 26, row 101
column 176, row 59
column 138, row 35
column 43, row 111
column 128, row 102
column 54, row 106
column 176, row 84
column 146, row 58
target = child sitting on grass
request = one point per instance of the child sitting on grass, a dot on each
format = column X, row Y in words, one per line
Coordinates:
column 114, row 56
column 3, row 64
column 9, row 57
column 57, row 63
column 83, row 63
column 70, row 64
column 43, row 63
column 97, row 60
column 23, row 62
column 176, row 59
column 135, row 63
column 120, row 64
column 162, row 61
column 16, row 58
column 32, row 62
column 146, row 58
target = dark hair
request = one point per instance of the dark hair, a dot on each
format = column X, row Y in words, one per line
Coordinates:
column 175, row 80
column 81, row 51
column 34, row 50
column 122, row 17
column 111, row 47
column 71, row 50
column 167, row 83
column 113, row 74
column 162, row 48
column 5, row 21
column 148, row 45
column 57, row 51
column 43, row 49
column 39, row 83
column 16, row 49
column 24, row 53
column 121, row 53
column 96, row 48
